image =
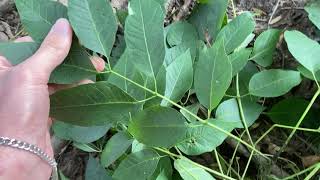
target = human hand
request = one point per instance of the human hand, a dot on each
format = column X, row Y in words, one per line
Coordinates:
column 25, row 104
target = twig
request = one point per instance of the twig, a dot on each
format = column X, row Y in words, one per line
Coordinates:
column 273, row 12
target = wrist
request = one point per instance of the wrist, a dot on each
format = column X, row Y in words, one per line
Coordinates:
column 19, row 164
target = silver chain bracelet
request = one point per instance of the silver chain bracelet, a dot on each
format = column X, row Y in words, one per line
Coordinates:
column 4, row 141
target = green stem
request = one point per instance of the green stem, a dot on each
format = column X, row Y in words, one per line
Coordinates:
column 190, row 113
column 243, row 118
column 194, row 163
column 218, row 161
column 313, row 172
column 234, row 155
column 298, row 123
column 302, row 172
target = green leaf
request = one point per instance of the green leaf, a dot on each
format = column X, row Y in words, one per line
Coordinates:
column 180, row 32
column 208, row 18
column 92, row 104
column 194, row 108
column 137, row 146
column 76, row 67
column 137, row 166
column 313, row 9
column 229, row 111
column 237, row 31
column 144, row 35
column 115, row 147
column 305, row 50
column 173, row 53
column 265, row 46
column 246, row 42
column 213, row 75
column 245, row 76
column 179, row 78
column 38, row 16
column 202, row 138
column 306, row 73
column 95, row 171
column 273, row 83
column 158, row 126
column 125, row 67
column 90, row 148
column 25, row 49
column 189, row 171
column 239, row 60
column 95, row 24
column 288, row 112
column 78, row 133
column 164, row 170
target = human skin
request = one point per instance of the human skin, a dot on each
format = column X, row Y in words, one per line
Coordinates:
column 25, row 104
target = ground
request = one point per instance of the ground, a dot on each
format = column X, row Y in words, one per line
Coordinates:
column 282, row 14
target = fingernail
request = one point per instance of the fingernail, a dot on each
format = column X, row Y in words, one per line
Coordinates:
column 61, row 27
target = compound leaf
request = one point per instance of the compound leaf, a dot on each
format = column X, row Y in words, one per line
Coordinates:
column 158, row 126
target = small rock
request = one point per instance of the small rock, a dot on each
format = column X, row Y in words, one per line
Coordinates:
column 3, row 37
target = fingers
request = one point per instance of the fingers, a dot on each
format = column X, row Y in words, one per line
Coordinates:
column 57, row 87
column 24, row 39
column 4, row 63
column 98, row 63
column 53, row 50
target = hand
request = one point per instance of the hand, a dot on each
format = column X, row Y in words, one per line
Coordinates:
column 24, row 104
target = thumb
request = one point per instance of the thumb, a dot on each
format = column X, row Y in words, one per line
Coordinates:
column 52, row 51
